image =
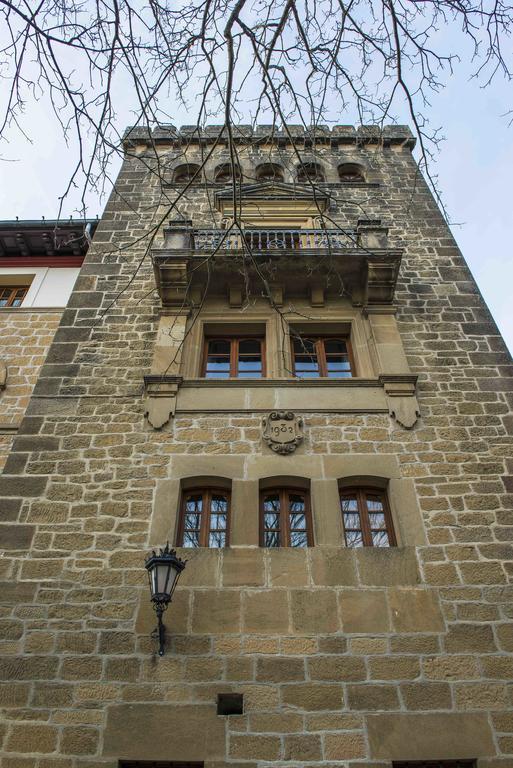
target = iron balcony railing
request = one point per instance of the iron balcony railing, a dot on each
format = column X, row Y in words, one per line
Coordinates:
column 274, row 239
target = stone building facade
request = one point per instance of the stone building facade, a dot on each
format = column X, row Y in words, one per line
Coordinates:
column 39, row 263
column 153, row 421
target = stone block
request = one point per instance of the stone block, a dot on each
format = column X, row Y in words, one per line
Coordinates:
column 337, row 668
column 422, row 696
column 203, row 567
column 52, row 695
column 372, row 697
column 394, row 668
column 288, row 567
column 27, row 737
column 193, row 732
column 79, row 741
column 216, row 612
column 303, row 747
column 451, row 667
column 16, row 536
column 333, row 566
column 14, row 694
column 481, row 695
column 387, row 566
column 247, row 747
column 313, row 696
column 277, row 669
column 276, row 722
column 266, row 612
column 364, row 610
column 344, row 746
column 469, row 638
column 429, row 736
column 415, row 610
column 243, row 567
column 28, row 667
column 314, row 611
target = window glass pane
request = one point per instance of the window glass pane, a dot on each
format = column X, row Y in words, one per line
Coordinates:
column 272, row 503
column 217, row 375
column 374, row 504
column 249, row 346
column 219, row 503
column 337, row 347
column 194, row 503
column 296, row 502
column 298, row 539
column 192, row 522
column 352, row 521
column 271, row 539
column 271, row 520
column 216, row 539
column 297, row 522
column 349, row 504
column 339, row 374
column 354, row 539
column 304, row 346
column 377, row 520
column 380, row 539
column 190, row 539
column 217, row 522
column 219, row 347
column 257, row 374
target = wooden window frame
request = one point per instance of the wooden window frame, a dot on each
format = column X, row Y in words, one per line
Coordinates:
column 284, row 530
column 12, row 296
column 234, row 355
column 361, row 500
column 206, row 493
column 320, row 353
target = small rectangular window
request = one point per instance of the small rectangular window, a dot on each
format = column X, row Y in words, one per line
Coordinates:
column 12, row 296
column 234, row 358
column 322, row 357
column 204, row 518
column 285, row 519
column 366, row 518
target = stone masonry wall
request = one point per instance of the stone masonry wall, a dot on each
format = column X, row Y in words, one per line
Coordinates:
column 25, row 338
column 345, row 658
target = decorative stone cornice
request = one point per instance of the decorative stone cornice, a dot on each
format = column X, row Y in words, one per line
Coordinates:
column 160, row 401
column 400, row 390
column 337, row 135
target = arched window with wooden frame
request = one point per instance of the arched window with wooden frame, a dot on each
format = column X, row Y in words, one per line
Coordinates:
column 285, row 518
column 204, row 518
column 322, row 357
column 234, row 357
column 366, row 518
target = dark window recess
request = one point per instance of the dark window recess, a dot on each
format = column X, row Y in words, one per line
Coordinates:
column 156, row 764
column 434, row 764
column 230, row 704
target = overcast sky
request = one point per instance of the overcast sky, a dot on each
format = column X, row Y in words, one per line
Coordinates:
column 474, row 170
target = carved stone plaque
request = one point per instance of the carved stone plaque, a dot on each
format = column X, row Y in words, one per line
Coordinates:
column 283, row 431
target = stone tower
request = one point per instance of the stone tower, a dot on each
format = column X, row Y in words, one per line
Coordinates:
column 294, row 381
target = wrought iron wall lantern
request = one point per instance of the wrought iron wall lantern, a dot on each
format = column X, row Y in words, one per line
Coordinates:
column 164, row 571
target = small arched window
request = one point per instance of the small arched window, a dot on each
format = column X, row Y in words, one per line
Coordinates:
column 204, row 518
column 285, row 518
column 269, row 172
column 185, row 173
column 310, row 172
column 366, row 518
column 224, row 173
column 350, row 172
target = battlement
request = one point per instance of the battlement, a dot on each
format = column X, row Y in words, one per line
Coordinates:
column 337, row 135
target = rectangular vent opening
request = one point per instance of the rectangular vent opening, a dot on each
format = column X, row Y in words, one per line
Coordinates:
column 230, row 703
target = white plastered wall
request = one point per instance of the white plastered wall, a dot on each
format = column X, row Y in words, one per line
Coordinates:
column 49, row 286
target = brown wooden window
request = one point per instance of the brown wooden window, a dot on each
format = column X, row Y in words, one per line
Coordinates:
column 434, row 764
column 11, row 296
column 366, row 518
column 317, row 357
column 234, row 358
column 285, row 518
column 204, row 518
